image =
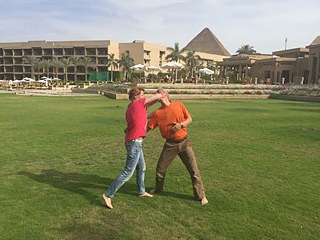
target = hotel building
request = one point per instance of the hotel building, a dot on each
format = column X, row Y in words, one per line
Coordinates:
column 299, row 65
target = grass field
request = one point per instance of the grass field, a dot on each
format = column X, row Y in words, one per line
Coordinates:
column 259, row 160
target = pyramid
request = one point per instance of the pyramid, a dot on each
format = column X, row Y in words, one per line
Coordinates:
column 316, row 41
column 207, row 42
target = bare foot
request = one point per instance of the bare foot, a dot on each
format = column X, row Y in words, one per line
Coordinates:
column 204, row 201
column 145, row 194
column 107, row 201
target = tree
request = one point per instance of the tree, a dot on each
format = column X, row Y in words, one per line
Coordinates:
column 112, row 63
column 246, row 49
column 56, row 64
column 32, row 60
column 175, row 53
column 65, row 64
column 126, row 62
column 192, row 61
column 87, row 62
column 77, row 61
column 46, row 64
column 37, row 67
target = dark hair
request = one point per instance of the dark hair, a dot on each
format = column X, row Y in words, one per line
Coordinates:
column 133, row 92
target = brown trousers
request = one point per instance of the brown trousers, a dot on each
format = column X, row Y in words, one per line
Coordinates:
column 185, row 152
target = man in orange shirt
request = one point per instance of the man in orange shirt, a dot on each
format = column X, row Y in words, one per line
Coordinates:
column 172, row 118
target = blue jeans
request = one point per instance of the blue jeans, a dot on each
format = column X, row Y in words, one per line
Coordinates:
column 135, row 161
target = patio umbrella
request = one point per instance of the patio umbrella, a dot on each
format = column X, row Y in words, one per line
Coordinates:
column 16, row 81
column 41, row 81
column 206, row 71
column 138, row 67
column 153, row 68
column 28, row 79
column 173, row 65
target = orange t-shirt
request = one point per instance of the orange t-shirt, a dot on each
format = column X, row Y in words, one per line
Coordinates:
column 165, row 117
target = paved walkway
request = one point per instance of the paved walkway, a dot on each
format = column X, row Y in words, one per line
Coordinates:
column 35, row 92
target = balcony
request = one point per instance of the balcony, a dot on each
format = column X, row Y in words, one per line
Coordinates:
column 102, row 51
column 58, row 52
column 47, row 52
column 91, row 52
column 17, row 52
column 69, row 51
column 8, row 52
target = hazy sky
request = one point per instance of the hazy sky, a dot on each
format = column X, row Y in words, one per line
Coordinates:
column 264, row 24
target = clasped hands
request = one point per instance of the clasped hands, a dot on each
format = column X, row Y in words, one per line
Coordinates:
column 176, row 127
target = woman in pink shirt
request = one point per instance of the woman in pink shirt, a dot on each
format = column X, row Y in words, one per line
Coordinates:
column 136, row 117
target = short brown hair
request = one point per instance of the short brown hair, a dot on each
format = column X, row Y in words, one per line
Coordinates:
column 134, row 92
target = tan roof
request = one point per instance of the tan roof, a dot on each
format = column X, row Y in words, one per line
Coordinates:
column 316, row 41
column 207, row 42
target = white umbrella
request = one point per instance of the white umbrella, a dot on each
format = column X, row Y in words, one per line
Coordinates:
column 153, row 68
column 206, row 71
column 138, row 67
column 42, row 81
column 173, row 65
column 28, row 79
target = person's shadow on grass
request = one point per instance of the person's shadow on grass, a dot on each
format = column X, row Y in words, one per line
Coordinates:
column 73, row 182
column 79, row 183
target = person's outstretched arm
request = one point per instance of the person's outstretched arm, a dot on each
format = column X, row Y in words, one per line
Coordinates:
column 153, row 99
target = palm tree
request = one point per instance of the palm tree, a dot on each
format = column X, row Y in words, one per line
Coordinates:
column 192, row 61
column 246, row 49
column 126, row 62
column 65, row 64
column 77, row 61
column 32, row 60
column 46, row 64
column 112, row 63
column 87, row 62
column 211, row 65
column 175, row 53
column 37, row 67
column 56, row 64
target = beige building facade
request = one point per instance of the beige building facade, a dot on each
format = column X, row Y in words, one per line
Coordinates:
column 314, row 61
column 282, row 67
column 145, row 53
column 12, row 55
column 239, row 68
column 298, row 65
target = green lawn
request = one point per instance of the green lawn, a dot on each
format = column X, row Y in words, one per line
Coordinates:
column 259, row 159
